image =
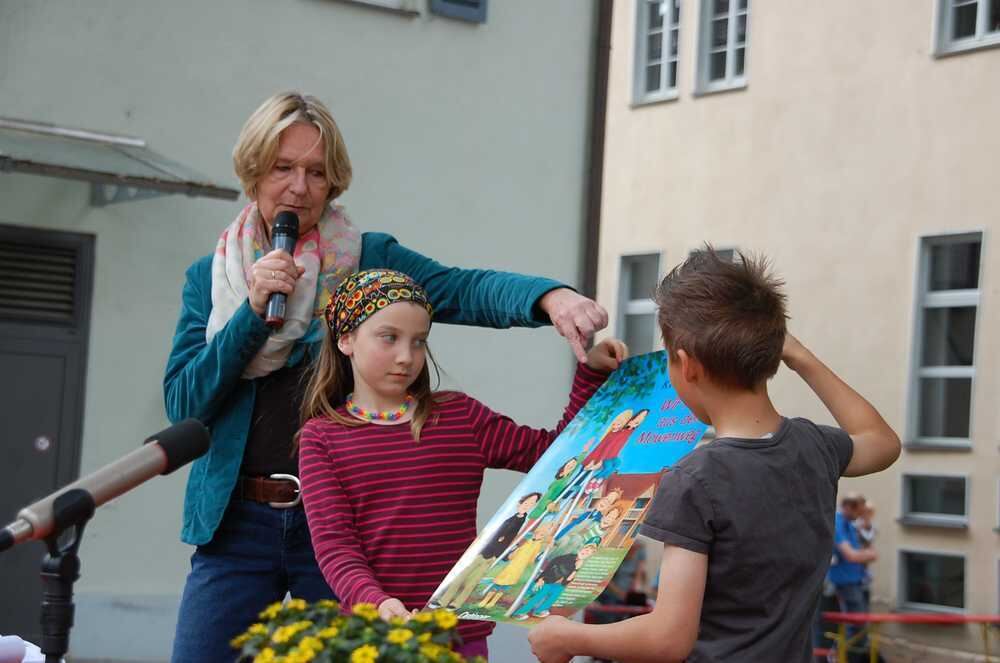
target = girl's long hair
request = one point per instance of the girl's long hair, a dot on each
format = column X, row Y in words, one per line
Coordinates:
column 331, row 381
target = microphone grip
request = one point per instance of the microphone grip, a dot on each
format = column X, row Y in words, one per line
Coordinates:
column 274, row 315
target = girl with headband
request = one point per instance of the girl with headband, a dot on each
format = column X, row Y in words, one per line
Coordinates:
column 390, row 469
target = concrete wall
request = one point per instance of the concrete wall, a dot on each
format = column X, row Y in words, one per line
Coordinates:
column 469, row 143
column 850, row 142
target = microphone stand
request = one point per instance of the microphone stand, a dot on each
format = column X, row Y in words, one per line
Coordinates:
column 60, row 569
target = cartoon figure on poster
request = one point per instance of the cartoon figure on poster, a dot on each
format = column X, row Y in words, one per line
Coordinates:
column 556, row 542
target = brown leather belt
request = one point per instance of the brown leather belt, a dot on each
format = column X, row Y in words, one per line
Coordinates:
column 281, row 491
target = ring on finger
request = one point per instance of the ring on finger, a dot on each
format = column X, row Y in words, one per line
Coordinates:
column 273, row 275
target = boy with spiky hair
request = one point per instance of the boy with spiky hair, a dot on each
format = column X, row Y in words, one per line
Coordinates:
column 747, row 519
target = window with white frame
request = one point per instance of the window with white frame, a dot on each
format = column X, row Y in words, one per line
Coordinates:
column 948, row 296
column 931, row 580
column 473, row 11
column 935, row 500
column 723, row 45
column 656, row 42
column 967, row 24
column 637, row 282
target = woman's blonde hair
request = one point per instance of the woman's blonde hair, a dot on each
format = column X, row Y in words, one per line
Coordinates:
column 331, row 381
column 256, row 149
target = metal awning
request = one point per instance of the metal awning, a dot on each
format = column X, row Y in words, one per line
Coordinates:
column 119, row 168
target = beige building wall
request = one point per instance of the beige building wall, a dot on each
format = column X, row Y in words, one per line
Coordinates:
column 850, row 141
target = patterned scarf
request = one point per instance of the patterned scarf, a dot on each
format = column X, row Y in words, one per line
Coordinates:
column 362, row 295
column 330, row 251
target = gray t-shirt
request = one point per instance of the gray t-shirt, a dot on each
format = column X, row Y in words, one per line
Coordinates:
column 763, row 511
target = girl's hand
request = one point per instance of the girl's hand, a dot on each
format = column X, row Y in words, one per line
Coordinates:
column 607, row 355
column 574, row 316
column 275, row 272
column 390, row 608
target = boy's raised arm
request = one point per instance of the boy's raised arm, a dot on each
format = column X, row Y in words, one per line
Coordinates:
column 876, row 445
column 668, row 633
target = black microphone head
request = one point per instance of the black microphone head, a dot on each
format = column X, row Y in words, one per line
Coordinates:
column 183, row 442
column 286, row 223
column 6, row 539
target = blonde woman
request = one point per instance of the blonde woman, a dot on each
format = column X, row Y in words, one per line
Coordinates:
column 231, row 371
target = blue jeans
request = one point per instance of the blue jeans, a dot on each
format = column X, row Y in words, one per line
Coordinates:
column 257, row 555
column 852, row 599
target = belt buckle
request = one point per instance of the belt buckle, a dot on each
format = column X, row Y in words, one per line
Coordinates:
column 298, row 492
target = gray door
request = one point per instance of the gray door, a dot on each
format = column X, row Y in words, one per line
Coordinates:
column 45, row 284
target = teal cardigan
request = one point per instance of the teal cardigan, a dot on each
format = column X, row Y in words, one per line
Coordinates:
column 203, row 379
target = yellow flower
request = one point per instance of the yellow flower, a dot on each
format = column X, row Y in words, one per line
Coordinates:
column 366, row 611
column 445, row 619
column 286, row 633
column 239, row 641
column 364, row 654
column 329, row 632
column 300, row 656
column 296, row 604
column 328, row 604
column 271, row 611
column 423, row 617
column 265, row 656
column 283, row 634
column 424, row 637
column 257, row 629
column 311, row 643
column 398, row 636
column 431, row 650
column 397, row 621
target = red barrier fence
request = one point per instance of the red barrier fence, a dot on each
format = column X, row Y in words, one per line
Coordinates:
column 872, row 621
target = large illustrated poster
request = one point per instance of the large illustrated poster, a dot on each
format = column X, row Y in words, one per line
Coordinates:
column 557, row 541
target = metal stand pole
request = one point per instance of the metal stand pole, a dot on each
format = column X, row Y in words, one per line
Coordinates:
column 60, row 569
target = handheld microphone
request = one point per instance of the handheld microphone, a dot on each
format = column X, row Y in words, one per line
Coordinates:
column 284, row 234
column 160, row 454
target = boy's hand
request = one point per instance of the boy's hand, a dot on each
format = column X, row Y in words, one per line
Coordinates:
column 390, row 608
column 793, row 352
column 548, row 638
column 607, row 355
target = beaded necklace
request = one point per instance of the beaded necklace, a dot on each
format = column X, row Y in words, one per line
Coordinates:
column 378, row 415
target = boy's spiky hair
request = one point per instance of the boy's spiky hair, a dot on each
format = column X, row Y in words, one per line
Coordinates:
column 729, row 315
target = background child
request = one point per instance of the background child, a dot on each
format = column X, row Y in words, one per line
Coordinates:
column 390, row 470
column 738, row 582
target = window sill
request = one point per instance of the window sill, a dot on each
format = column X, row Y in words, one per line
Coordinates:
column 932, row 521
column 939, row 445
column 658, row 98
column 911, row 608
column 716, row 88
column 967, row 46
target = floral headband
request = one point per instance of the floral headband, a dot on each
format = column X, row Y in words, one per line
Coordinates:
column 363, row 294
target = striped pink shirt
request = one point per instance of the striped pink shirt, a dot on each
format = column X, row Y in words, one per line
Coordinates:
column 389, row 517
